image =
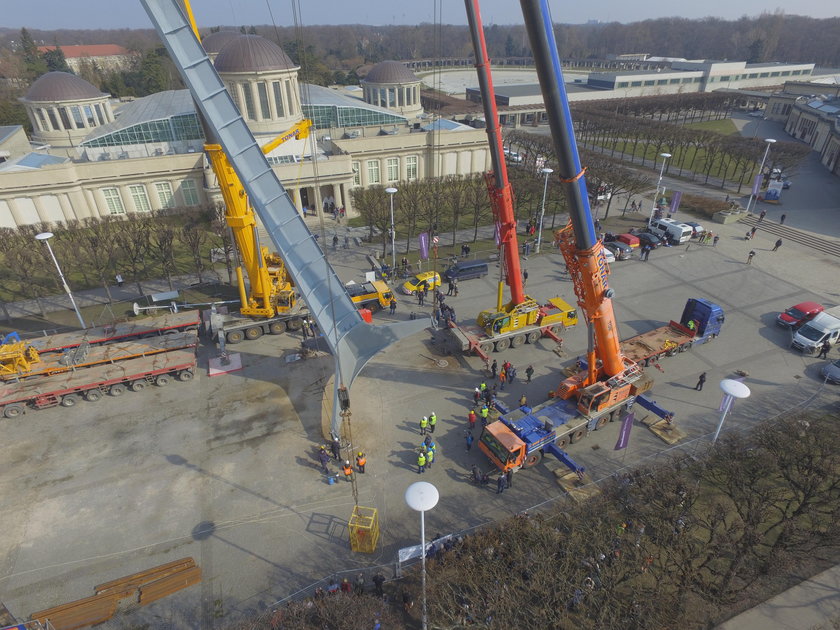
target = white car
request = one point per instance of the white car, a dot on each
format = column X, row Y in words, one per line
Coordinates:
column 608, row 255
column 512, row 156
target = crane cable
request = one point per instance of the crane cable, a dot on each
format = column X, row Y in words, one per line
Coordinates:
column 347, row 444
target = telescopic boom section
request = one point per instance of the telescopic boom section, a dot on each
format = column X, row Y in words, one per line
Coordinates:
column 594, row 293
column 501, row 194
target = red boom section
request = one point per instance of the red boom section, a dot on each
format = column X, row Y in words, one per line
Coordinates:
column 501, row 194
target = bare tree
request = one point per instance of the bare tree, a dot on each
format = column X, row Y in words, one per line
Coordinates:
column 194, row 237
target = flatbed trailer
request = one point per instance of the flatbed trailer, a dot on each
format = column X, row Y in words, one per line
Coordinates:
column 237, row 327
column 701, row 322
column 92, row 383
column 136, row 328
column 555, row 316
column 86, row 356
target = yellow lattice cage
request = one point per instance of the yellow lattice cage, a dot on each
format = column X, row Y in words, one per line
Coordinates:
column 364, row 529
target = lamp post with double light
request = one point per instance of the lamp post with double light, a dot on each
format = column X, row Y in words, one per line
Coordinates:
column 546, row 171
column 754, row 190
column 664, row 157
column 45, row 237
column 391, row 192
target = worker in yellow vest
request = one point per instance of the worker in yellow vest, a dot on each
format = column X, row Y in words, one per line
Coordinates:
column 348, row 471
column 484, row 413
column 421, row 463
column 423, row 424
column 432, row 422
column 430, row 457
column 361, row 460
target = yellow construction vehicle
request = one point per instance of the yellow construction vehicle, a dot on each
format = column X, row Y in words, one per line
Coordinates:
column 270, row 303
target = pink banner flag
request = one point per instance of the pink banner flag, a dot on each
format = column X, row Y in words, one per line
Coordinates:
column 424, row 245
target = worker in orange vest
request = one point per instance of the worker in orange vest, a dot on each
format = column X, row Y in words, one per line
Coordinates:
column 361, row 460
column 348, row 471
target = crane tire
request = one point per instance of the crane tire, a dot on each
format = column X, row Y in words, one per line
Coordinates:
column 517, row 341
column 502, row 345
column 602, row 421
column 294, row 324
column 486, row 348
column 13, row 411
column 235, row 336
column 254, row 332
column 562, row 442
column 532, row 459
column 533, row 337
column 577, row 435
column 277, row 328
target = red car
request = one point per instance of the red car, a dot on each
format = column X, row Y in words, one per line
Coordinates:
column 797, row 315
column 628, row 239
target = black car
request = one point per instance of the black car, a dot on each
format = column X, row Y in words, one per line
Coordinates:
column 620, row 250
column 651, row 240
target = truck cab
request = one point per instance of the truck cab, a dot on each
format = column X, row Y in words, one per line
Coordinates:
column 704, row 318
column 371, row 295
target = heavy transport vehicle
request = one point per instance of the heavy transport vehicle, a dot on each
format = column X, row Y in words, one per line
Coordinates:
column 496, row 331
column 91, row 384
column 20, row 361
column 701, row 322
column 521, row 437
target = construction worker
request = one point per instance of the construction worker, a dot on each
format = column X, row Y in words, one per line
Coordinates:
column 471, row 418
column 324, row 458
column 347, row 469
column 335, row 445
column 482, row 387
column 421, row 463
column 423, row 424
column 361, row 460
column 432, row 422
column 523, row 401
column 484, row 413
column 430, row 457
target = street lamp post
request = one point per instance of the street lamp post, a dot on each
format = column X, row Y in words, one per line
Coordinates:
column 664, row 157
column 546, row 172
column 391, row 192
column 46, row 236
column 754, row 189
column 732, row 389
column 422, row 496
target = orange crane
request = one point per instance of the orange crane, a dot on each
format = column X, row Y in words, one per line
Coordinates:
column 610, row 377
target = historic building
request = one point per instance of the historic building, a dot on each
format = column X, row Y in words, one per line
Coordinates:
column 95, row 157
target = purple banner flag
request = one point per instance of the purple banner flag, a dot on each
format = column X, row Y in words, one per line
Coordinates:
column 624, row 435
column 757, row 184
column 675, row 201
column 424, row 245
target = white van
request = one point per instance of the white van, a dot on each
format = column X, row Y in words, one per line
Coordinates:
column 672, row 230
column 810, row 337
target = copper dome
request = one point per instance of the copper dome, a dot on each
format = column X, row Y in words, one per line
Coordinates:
column 252, row 53
column 391, row 72
column 61, row 86
column 214, row 42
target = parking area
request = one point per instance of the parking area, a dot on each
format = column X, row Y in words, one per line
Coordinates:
column 224, row 469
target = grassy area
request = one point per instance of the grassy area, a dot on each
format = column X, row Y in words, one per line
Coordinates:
column 725, row 127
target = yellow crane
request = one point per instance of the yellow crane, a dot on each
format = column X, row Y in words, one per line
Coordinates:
column 271, row 290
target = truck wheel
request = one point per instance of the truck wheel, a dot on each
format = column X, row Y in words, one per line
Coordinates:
column 235, row 336
column 137, row 386
column 69, row 400
column 517, row 341
column 162, row 380
column 602, row 421
column 486, row 348
column 502, row 345
column 13, row 411
column 118, row 389
column 92, row 395
column 556, row 329
column 255, row 332
column 577, row 435
column 294, row 324
column 277, row 328
column 184, row 376
column 562, row 442
column 533, row 337
column 671, row 352
column 532, row 459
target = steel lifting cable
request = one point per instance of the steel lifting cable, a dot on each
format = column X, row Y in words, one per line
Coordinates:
column 304, row 86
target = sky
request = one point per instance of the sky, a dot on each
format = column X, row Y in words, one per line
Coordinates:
column 92, row 14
